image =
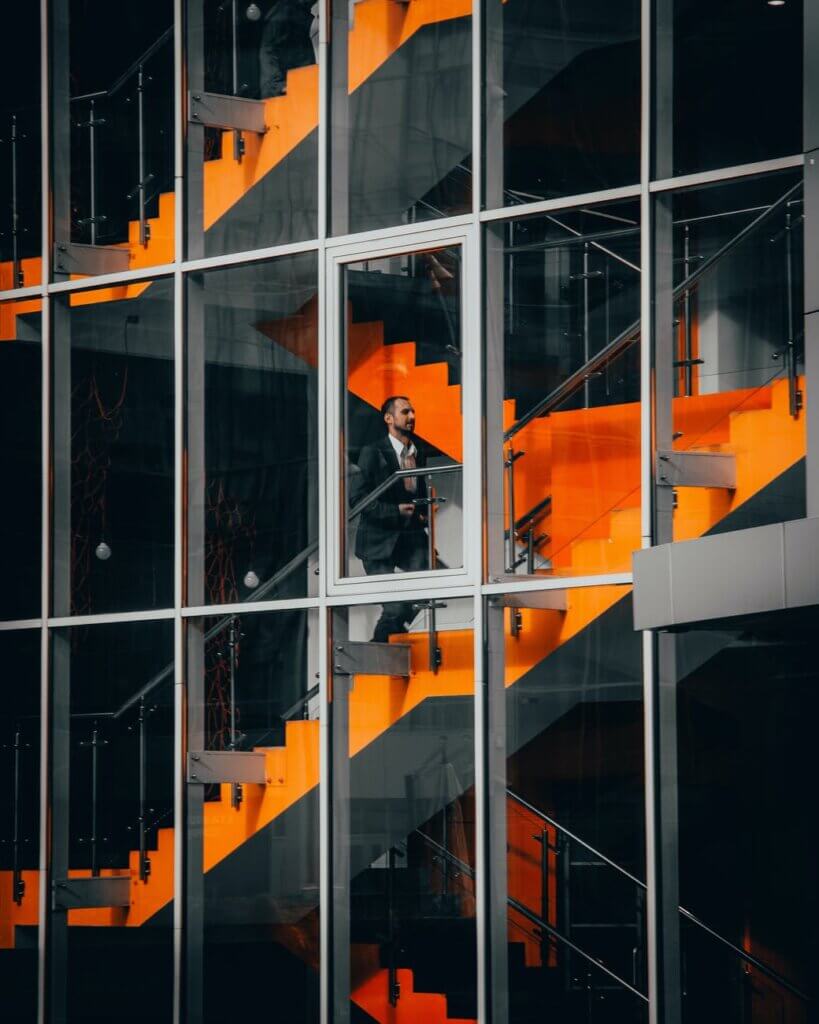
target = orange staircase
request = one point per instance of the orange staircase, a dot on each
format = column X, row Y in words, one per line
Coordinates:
column 587, row 460
column 412, row 1007
column 755, row 424
column 380, row 28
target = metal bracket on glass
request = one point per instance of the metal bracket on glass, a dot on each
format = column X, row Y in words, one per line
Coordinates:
column 76, row 258
column 543, row 600
column 369, row 658
column 435, row 655
column 86, row 893
column 696, row 469
column 215, row 110
column 234, row 766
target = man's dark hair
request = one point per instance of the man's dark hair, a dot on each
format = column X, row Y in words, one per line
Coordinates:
column 388, row 403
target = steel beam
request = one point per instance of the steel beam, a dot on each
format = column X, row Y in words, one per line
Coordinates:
column 547, row 600
column 494, row 884
column 339, row 906
column 360, row 658
column 215, row 110
column 87, row 893
column 89, row 260
column 234, row 766
column 696, row 469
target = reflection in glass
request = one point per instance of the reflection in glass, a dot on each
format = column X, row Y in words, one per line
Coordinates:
column 20, row 134
column 563, row 96
column 402, row 409
column 401, row 102
column 113, row 137
column 574, row 811
column 113, row 433
column 253, row 188
column 746, row 701
column 404, row 824
column 739, row 358
column 261, row 842
column 253, row 337
column 20, row 424
column 114, row 724
column 20, row 725
column 721, row 111
column 571, row 359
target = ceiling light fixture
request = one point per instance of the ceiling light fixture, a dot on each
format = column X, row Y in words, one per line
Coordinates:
column 776, row 3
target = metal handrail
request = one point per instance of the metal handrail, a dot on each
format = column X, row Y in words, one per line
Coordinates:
column 281, row 575
column 538, row 921
column 535, row 513
column 155, row 46
column 299, row 704
column 629, row 336
column 135, row 66
column 760, row 965
column 399, row 474
column 556, row 824
column 532, row 917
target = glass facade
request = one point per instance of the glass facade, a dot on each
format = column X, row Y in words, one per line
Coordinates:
column 353, row 355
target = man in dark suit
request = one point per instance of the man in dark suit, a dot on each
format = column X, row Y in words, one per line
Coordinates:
column 392, row 530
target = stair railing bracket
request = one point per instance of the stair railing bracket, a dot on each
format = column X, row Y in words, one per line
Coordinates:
column 369, row 658
column 87, row 893
column 696, row 469
column 230, row 766
column 215, row 110
column 544, row 600
column 91, row 260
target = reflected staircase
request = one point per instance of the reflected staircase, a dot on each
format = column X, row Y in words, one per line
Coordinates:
column 585, row 461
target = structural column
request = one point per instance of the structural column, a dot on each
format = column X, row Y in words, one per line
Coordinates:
column 811, row 252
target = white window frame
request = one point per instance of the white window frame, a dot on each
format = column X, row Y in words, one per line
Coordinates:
column 338, row 256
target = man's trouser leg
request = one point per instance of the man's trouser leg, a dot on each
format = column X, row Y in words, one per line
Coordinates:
column 272, row 65
column 410, row 555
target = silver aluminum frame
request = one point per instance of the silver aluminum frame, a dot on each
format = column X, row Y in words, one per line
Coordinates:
column 393, row 243
column 466, row 583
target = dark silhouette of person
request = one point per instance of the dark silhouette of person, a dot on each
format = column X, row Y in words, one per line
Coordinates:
column 285, row 41
column 392, row 530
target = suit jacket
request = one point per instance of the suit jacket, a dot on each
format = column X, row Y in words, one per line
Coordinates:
column 381, row 524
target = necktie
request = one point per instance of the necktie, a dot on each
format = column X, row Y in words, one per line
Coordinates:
column 408, row 462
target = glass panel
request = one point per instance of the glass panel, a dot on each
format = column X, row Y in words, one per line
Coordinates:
column 563, row 98
column 20, row 163
column 260, row 882
column 253, row 188
column 253, row 404
column 746, row 704
column 20, row 823
column 721, row 110
column 739, row 369
column 113, row 103
column 404, row 822
column 571, row 389
column 113, row 449
column 402, row 110
column 402, row 410
column 118, row 787
column 575, row 811
column 20, row 424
